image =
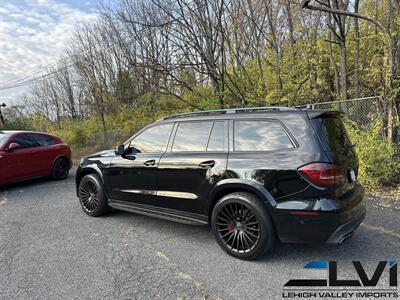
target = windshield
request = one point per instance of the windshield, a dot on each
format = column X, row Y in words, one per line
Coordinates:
column 3, row 138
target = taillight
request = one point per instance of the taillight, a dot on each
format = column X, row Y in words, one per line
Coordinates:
column 323, row 174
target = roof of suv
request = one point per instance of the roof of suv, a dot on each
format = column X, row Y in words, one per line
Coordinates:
column 246, row 113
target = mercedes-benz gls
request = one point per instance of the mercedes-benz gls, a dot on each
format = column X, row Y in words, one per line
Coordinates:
column 254, row 175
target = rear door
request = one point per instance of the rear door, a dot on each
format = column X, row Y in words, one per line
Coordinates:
column 337, row 145
column 194, row 162
column 45, row 152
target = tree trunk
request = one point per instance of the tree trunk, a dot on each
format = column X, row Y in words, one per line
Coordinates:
column 343, row 74
column 391, row 87
column 335, row 69
column 356, row 52
column 1, row 120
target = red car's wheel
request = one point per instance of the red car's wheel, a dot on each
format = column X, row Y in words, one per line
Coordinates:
column 60, row 169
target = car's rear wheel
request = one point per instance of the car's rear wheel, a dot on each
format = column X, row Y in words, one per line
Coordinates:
column 92, row 197
column 242, row 226
column 60, row 169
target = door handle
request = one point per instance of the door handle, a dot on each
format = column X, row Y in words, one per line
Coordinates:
column 207, row 164
column 149, row 163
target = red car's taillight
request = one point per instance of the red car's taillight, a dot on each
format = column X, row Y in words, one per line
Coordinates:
column 322, row 174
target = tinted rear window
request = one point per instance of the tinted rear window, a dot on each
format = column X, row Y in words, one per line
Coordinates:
column 44, row 140
column 260, row 136
column 332, row 134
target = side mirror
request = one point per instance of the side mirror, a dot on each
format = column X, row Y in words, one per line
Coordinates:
column 120, row 150
column 13, row 146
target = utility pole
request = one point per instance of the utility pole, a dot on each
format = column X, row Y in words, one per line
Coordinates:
column 1, row 116
column 390, row 82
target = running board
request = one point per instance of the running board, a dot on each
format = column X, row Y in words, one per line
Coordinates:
column 159, row 213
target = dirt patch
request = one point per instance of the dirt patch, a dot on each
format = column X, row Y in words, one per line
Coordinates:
column 387, row 197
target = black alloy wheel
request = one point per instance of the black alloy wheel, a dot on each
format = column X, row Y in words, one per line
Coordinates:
column 238, row 227
column 242, row 226
column 92, row 197
column 89, row 195
column 60, row 169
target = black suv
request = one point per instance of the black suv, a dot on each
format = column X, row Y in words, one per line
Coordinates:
column 254, row 175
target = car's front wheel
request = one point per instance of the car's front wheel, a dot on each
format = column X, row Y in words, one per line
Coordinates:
column 92, row 197
column 242, row 226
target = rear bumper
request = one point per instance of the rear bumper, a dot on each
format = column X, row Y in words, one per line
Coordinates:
column 346, row 230
column 331, row 221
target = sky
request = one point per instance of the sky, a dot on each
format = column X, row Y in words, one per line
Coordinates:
column 33, row 34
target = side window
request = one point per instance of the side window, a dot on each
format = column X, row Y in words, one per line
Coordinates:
column 260, row 136
column 25, row 141
column 217, row 137
column 152, row 140
column 44, row 140
column 192, row 136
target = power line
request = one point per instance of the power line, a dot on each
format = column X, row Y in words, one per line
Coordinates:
column 24, row 80
column 33, row 79
column 18, row 80
column 41, row 69
column 19, row 83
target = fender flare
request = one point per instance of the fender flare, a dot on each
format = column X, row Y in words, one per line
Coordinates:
column 241, row 184
column 62, row 155
column 90, row 169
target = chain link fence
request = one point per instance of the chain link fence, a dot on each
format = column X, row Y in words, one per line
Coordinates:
column 109, row 139
column 364, row 112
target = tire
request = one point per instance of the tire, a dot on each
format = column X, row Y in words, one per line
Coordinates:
column 60, row 169
column 92, row 197
column 242, row 226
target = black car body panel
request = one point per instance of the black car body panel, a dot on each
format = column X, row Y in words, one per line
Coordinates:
column 184, row 185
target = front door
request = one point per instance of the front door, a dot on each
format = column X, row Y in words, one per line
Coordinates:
column 14, row 165
column 132, row 177
column 194, row 163
column 19, row 163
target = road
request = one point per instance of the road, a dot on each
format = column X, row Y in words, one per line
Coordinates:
column 49, row 249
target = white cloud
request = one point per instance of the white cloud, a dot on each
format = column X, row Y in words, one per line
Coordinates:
column 33, row 35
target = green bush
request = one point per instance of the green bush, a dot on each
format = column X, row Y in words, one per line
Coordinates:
column 379, row 162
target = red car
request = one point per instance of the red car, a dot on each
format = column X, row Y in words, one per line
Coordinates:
column 25, row 155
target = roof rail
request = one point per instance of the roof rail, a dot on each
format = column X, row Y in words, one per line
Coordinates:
column 229, row 111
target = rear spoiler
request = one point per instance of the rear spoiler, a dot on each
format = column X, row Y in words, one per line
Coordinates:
column 312, row 114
